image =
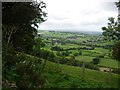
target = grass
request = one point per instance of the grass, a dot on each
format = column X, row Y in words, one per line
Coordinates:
column 106, row 43
column 78, row 40
column 84, row 58
column 105, row 62
column 89, row 74
column 92, row 53
column 108, row 63
column 56, row 34
column 101, row 50
column 67, row 46
column 87, row 56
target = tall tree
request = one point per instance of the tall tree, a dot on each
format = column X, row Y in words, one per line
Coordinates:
column 18, row 18
column 18, row 36
column 112, row 32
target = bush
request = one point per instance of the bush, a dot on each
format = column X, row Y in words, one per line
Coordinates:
column 58, row 53
column 66, row 53
column 29, row 71
column 101, row 56
column 91, row 66
column 56, row 48
column 76, row 54
column 116, row 70
column 80, row 53
column 96, row 60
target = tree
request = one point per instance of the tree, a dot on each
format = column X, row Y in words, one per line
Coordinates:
column 112, row 32
column 96, row 60
column 18, row 18
column 19, row 27
column 116, row 51
column 38, row 44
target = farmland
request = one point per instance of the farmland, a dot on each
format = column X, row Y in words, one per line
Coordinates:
column 75, row 49
column 90, row 75
column 95, row 49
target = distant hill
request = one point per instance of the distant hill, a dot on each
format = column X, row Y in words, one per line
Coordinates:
column 74, row 31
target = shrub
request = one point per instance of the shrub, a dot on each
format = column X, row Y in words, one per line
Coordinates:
column 29, row 71
column 56, row 48
column 116, row 70
column 91, row 66
column 58, row 53
column 66, row 53
column 96, row 60
column 76, row 54
column 80, row 53
column 101, row 56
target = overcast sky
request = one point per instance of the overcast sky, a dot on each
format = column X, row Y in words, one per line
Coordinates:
column 78, row 15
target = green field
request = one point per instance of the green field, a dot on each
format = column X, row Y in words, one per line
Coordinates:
column 103, row 61
column 85, row 58
column 91, row 46
column 89, row 74
column 109, row 63
column 72, row 50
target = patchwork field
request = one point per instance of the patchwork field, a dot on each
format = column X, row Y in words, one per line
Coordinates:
column 74, row 49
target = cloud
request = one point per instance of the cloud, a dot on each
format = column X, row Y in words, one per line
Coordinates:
column 109, row 6
column 89, row 15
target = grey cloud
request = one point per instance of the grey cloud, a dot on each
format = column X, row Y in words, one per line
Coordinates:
column 109, row 6
column 80, row 19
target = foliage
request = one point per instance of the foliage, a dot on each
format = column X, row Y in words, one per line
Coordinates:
column 15, row 23
column 58, row 80
column 91, row 66
column 18, row 31
column 92, row 75
column 45, row 54
column 37, row 46
column 56, row 48
column 29, row 71
column 116, row 70
column 96, row 60
column 80, row 53
column 65, row 53
column 116, row 51
column 76, row 54
column 112, row 31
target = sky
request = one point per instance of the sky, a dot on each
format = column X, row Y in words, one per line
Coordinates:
column 78, row 15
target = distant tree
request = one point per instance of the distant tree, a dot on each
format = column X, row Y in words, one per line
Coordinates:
column 80, row 53
column 76, row 54
column 65, row 53
column 58, row 53
column 56, row 48
column 96, row 60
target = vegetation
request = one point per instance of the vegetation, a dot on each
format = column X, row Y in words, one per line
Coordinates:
column 96, row 60
column 18, row 39
column 55, row 59
column 112, row 32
